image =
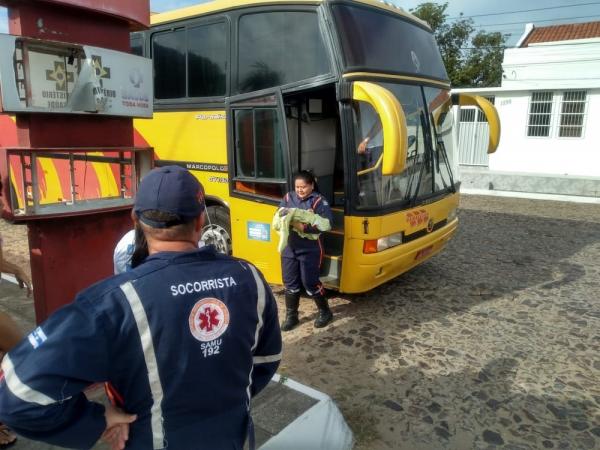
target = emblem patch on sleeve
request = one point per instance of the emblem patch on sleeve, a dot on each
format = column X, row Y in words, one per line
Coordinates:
column 37, row 337
column 209, row 319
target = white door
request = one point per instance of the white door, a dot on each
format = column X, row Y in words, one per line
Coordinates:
column 473, row 138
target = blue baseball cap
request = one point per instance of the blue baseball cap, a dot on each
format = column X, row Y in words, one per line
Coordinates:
column 169, row 189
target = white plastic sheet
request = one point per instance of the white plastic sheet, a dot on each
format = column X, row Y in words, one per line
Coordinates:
column 322, row 427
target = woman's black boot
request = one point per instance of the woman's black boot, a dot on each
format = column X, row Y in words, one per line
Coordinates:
column 292, row 301
column 324, row 315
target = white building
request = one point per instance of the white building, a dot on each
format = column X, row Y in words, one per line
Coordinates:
column 549, row 107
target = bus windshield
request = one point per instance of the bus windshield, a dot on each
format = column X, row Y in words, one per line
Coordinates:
column 428, row 170
column 398, row 45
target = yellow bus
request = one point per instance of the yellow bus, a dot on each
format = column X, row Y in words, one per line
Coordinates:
column 249, row 92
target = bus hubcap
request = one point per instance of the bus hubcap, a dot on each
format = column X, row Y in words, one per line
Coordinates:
column 217, row 236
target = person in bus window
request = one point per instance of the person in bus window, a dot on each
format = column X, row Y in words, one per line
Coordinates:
column 370, row 128
column 301, row 257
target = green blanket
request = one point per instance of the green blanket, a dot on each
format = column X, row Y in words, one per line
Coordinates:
column 281, row 224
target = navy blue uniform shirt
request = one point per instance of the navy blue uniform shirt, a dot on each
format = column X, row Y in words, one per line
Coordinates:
column 186, row 339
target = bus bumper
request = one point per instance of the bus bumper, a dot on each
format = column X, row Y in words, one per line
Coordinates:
column 371, row 270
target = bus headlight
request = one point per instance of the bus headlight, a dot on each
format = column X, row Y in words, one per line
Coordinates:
column 453, row 214
column 378, row 245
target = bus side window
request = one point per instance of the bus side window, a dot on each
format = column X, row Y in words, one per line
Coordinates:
column 280, row 47
column 190, row 62
column 168, row 57
column 244, row 130
column 136, row 41
column 259, row 161
column 207, row 60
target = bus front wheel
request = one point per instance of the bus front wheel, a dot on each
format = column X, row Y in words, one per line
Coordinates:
column 217, row 229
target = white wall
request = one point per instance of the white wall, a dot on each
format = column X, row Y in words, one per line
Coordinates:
column 569, row 64
column 546, row 155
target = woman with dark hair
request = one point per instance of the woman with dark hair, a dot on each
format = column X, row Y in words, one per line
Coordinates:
column 301, row 257
column 130, row 252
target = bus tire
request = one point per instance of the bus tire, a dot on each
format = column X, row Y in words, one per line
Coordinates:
column 217, row 229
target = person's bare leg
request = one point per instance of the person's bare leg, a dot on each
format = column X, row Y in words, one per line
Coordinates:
column 9, row 267
column 7, row 437
column 10, row 333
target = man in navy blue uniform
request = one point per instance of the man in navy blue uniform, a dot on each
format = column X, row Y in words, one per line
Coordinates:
column 185, row 340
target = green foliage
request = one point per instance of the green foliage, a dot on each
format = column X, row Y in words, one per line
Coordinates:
column 472, row 60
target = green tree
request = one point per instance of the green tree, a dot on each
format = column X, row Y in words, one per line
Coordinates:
column 472, row 60
column 484, row 61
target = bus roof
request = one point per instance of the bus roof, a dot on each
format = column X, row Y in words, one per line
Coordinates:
column 225, row 5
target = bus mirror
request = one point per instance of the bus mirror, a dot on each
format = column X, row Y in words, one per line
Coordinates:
column 491, row 114
column 395, row 134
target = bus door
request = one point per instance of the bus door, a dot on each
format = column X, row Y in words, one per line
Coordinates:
column 259, row 176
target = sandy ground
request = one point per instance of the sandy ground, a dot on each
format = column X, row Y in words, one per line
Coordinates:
column 491, row 344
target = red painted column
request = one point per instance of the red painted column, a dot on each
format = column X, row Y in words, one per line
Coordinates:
column 71, row 252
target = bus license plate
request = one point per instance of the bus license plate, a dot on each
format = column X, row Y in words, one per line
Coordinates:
column 424, row 252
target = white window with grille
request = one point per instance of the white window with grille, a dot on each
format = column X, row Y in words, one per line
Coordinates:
column 540, row 114
column 572, row 114
column 474, row 114
column 468, row 114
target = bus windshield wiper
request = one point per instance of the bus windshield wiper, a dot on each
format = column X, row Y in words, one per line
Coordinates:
column 441, row 149
column 425, row 159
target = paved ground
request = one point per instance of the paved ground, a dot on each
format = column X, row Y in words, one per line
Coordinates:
column 493, row 343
